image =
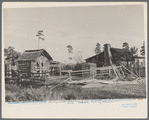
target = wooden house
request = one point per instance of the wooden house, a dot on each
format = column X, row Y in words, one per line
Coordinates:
column 123, row 57
column 116, row 54
column 98, row 59
column 34, row 61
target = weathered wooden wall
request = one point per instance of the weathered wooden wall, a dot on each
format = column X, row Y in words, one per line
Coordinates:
column 24, row 67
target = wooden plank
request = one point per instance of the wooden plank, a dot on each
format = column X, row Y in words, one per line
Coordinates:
column 76, row 73
column 80, row 71
column 24, row 71
column 23, row 66
column 38, row 79
column 122, row 72
column 102, row 74
column 106, row 68
column 37, row 73
column 128, row 70
column 21, row 63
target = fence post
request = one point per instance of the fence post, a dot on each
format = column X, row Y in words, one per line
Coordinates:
column 93, row 75
column 60, row 69
column 110, row 72
column 122, row 72
column 70, row 76
column 45, row 77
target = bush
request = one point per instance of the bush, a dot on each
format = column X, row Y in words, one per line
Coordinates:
column 12, row 87
column 69, row 96
column 9, row 98
column 16, row 93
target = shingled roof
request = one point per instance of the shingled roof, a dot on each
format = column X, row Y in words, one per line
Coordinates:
column 30, row 55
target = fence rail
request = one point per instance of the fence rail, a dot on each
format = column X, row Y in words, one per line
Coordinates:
column 134, row 68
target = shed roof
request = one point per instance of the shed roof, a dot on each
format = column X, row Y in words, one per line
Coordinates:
column 30, row 55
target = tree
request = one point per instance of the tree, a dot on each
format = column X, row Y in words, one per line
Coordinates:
column 97, row 49
column 78, row 57
column 129, row 54
column 10, row 59
column 143, row 49
column 133, row 51
column 70, row 51
column 11, row 54
column 40, row 36
column 126, row 45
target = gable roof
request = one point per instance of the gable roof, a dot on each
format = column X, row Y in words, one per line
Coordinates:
column 100, row 55
column 117, row 53
column 30, row 55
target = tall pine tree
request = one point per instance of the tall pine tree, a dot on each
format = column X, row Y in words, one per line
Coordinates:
column 97, row 49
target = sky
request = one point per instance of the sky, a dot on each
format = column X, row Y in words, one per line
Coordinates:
column 79, row 26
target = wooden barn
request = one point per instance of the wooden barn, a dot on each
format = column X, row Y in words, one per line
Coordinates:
column 34, row 62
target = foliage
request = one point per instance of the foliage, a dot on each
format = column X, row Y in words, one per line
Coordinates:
column 97, row 49
column 69, row 47
column 68, row 67
column 126, row 45
column 78, row 57
column 129, row 53
column 143, row 49
column 40, row 35
column 11, row 54
column 133, row 51
column 16, row 93
column 78, row 66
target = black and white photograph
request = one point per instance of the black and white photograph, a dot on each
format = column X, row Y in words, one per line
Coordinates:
column 80, row 52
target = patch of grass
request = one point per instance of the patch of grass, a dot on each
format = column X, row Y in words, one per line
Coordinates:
column 16, row 93
column 12, row 87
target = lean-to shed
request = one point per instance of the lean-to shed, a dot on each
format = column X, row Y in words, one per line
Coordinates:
column 34, row 61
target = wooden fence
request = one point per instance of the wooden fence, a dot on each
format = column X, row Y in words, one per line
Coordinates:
column 135, row 68
column 91, row 73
